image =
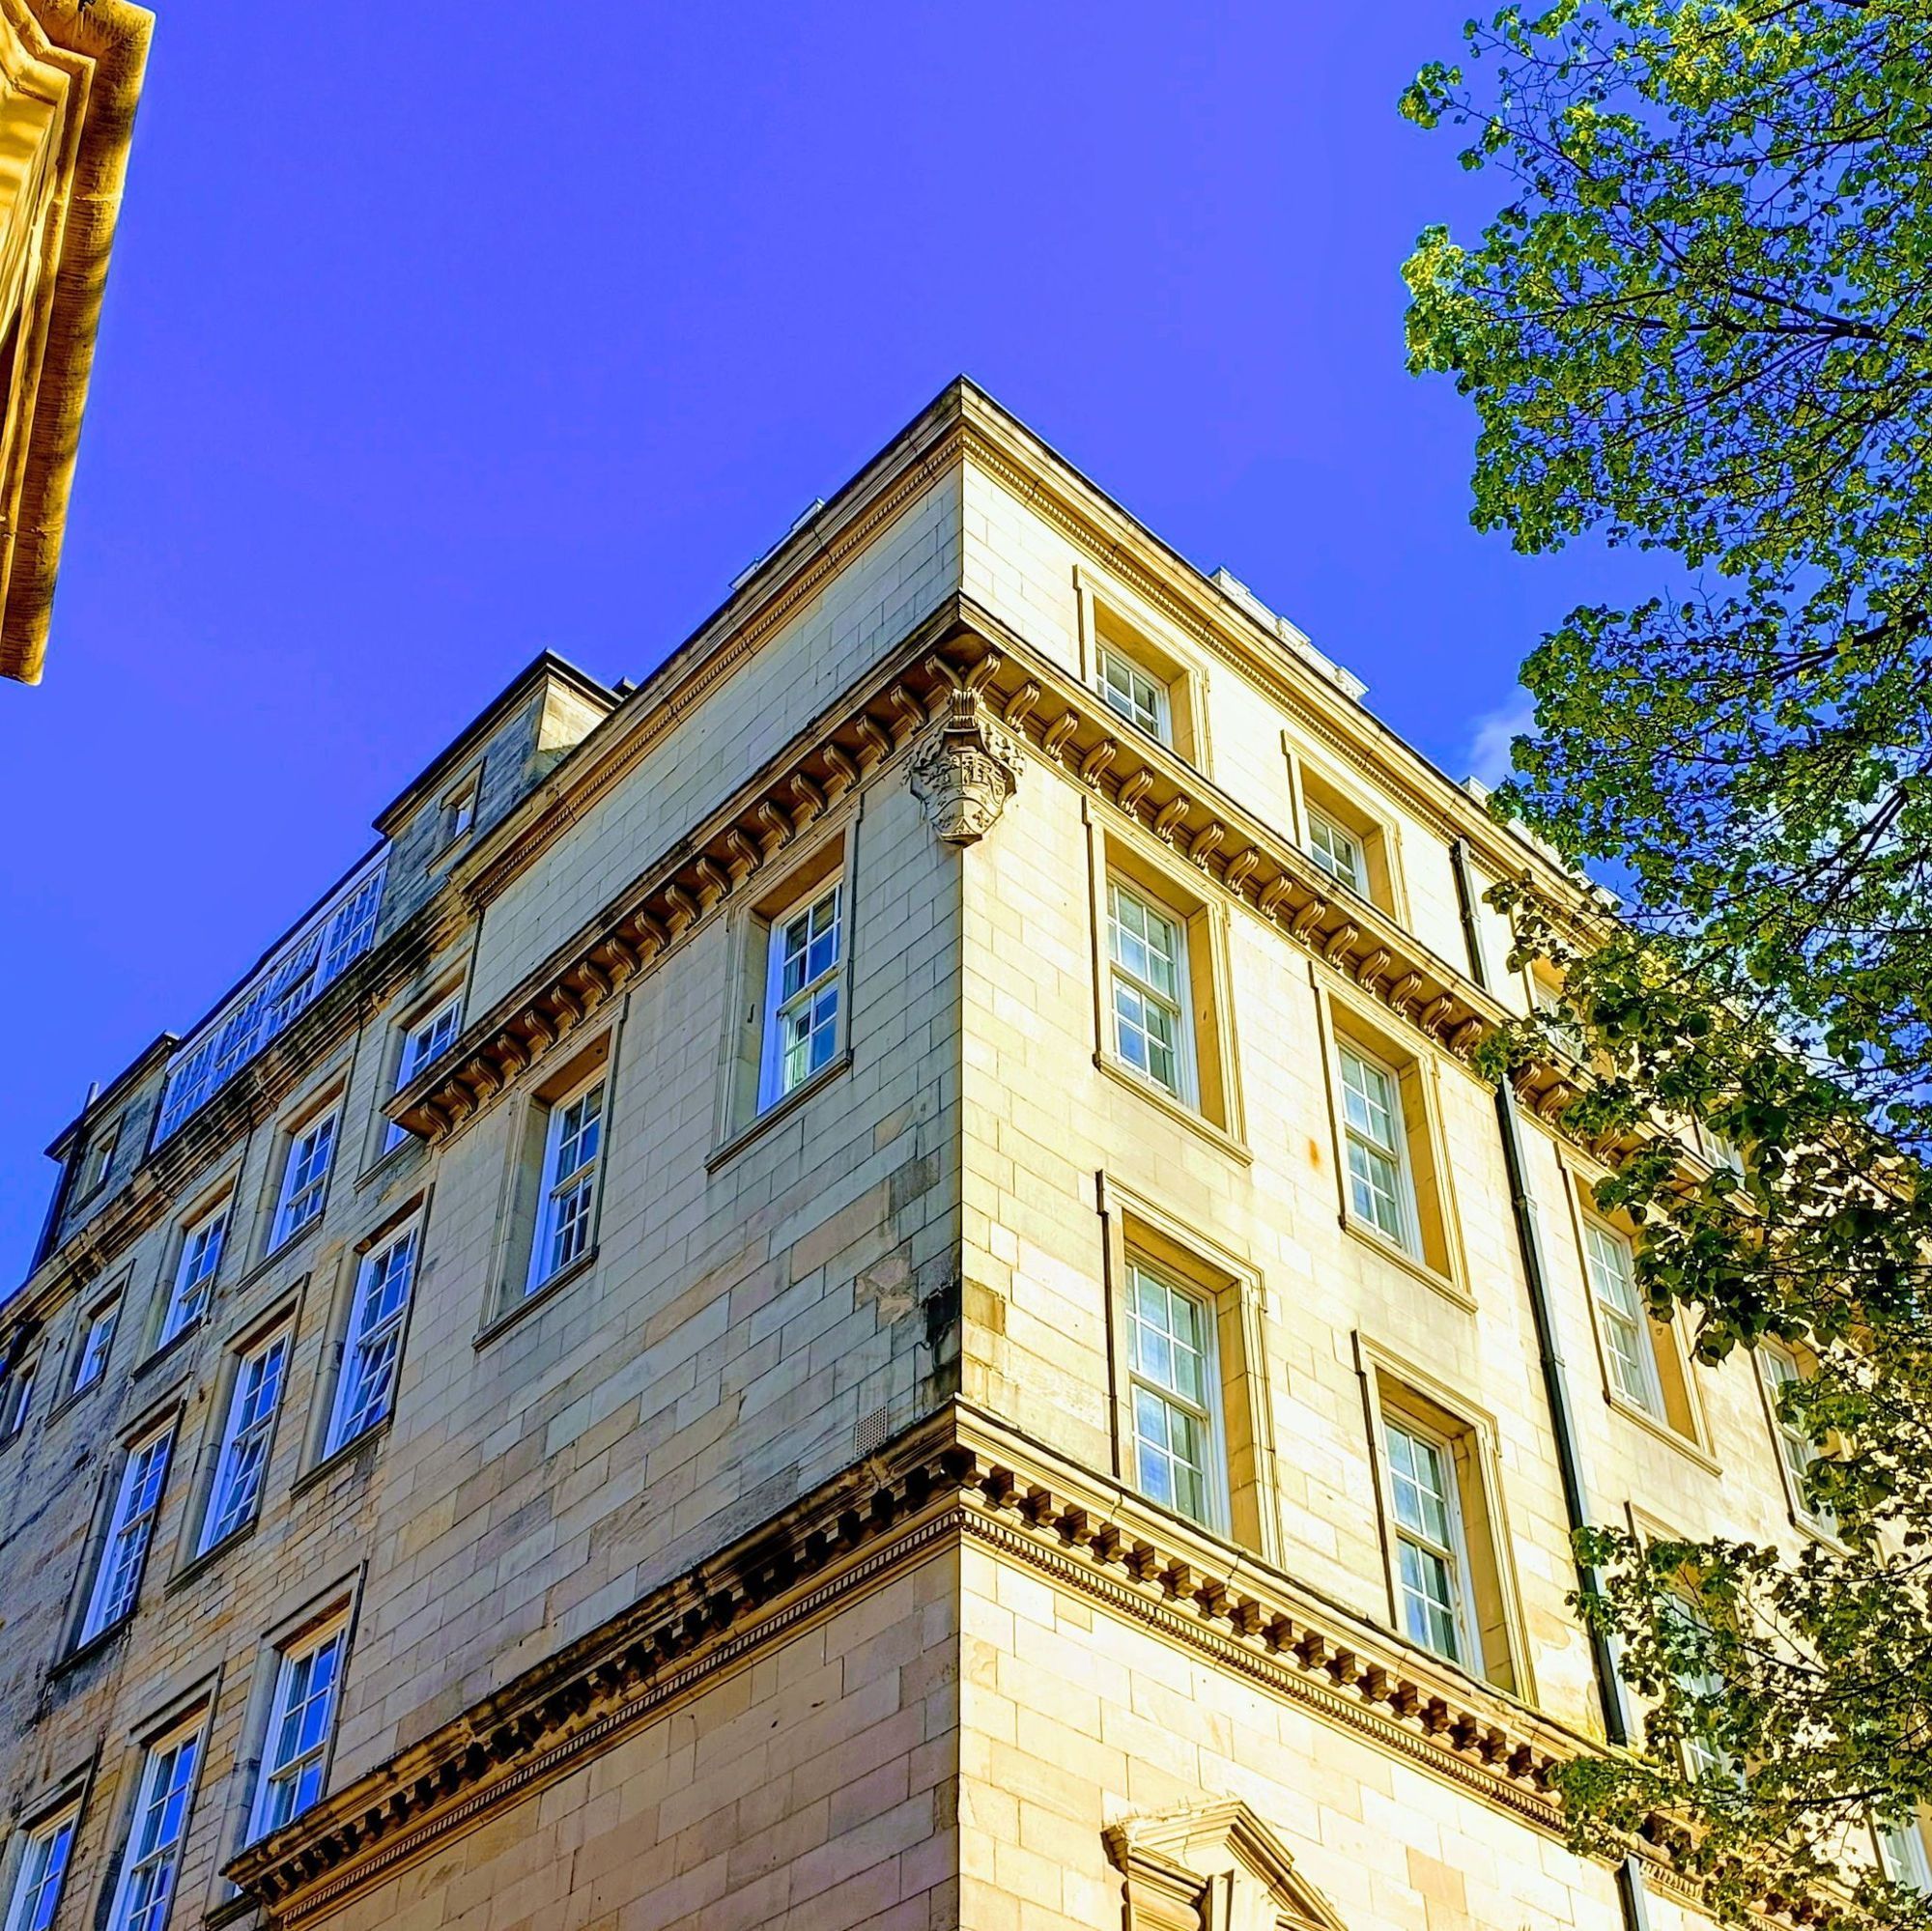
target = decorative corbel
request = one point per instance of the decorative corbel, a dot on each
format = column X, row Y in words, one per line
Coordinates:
column 964, row 770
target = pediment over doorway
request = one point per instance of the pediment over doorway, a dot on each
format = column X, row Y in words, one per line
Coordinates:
column 1212, row 1867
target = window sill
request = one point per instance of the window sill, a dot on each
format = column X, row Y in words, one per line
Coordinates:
column 82, row 1653
column 779, row 1109
column 385, row 1165
column 287, row 1244
column 1176, row 1109
column 230, row 1911
column 171, row 1346
column 1693, row 1450
column 537, row 1297
column 341, row 1458
column 1813, row 1530
column 206, row 1559
column 1450, row 1289
column 72, row 1399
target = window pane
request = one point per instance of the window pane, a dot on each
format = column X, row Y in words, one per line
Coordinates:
column 36, row 1891
column 1369, row 1100
column 1428, row 1612
column 1419, row 1483
column 1133, row 694
column 1335, row 852
column 1144, row 1035
column 1144, row 942
column 1374, row 1189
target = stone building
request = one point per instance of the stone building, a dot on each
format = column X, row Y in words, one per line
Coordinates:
column 862, row 1285
column 69, row 76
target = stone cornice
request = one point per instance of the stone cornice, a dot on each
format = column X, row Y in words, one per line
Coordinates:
column 1073, row 731
column 958, row 1478
column 726, row 851
column 1048, row 484
column 784, row 584
column 959, row 652
column 964, row 425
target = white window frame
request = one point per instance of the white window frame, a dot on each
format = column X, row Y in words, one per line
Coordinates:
column 1150, row 710
column 1395, row 1151
column 1610, row 1260
column 458, row 813
column 16, row 1395
column 1325, row 834
column 1453, row 1553
column 1204, row 1412
column 306, row 1165
column 1177, row 1005
column 1565, row 1028
column 45, row 1859
column 99, row 1161
column 163, row 1809
column 777, row 1075
column 138, row 1495
column 289, row 1757
column 204, row 1241
column 1902, row 1855
column 247, row 1438
column 96, row 1343
column 569, row 1201
column 1700, row 1757
column 1777, row 1365
column 374, row 1334
column 423, row 1043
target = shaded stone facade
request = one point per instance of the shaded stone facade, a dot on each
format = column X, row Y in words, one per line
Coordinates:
column 795, row 1134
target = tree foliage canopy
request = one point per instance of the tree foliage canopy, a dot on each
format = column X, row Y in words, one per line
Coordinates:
column 1701, row 324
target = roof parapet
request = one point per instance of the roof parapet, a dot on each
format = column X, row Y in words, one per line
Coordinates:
column 1291, row 635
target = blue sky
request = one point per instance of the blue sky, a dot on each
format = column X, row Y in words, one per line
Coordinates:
column 436, row 338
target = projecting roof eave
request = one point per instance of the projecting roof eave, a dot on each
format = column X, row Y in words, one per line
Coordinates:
column 100, row 50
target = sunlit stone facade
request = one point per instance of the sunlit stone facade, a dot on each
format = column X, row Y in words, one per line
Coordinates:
column 69, row 76
column 881, row 1295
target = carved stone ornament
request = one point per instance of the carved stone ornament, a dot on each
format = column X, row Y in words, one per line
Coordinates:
column 964, row 770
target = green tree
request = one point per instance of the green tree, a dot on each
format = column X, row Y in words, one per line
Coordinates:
column 1700, row 326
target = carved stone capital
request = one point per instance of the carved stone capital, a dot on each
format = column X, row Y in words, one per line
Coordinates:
column 964, row 770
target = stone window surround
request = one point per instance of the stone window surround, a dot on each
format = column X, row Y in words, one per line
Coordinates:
column 316, row 1455
column 1113, row 852
column 1134, row 1226
column 1391, row 1382
column 832, row 850
column 1313, row 786
column 1809, row 1521
column 111, row 1300
column 1437, row 1258
column 509, row 1292
column 191, row 1708
column 450, row 987
column 301, row 1607
column 279, row 1655
column 1684, row 1425
column 164, row 1416
column 300, row 1119
column 64, row 1801
column 1108, row 618
column 284, row 1315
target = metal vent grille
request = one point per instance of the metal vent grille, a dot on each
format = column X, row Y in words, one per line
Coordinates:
column 871, row 1432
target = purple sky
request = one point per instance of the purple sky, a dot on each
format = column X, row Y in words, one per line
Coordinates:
column 435, row 338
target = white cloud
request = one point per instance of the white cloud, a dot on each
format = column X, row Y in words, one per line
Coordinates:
column 1491, row 735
